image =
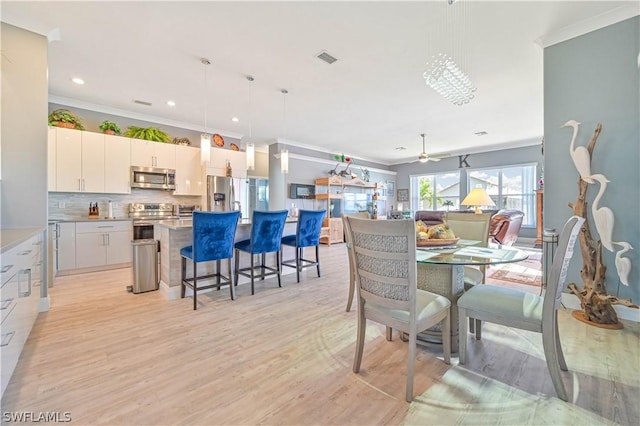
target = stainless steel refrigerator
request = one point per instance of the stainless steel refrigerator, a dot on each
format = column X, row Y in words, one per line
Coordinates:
column 223, row 194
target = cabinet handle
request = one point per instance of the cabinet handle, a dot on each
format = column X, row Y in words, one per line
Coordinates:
column 6, row 304
column 79, row 185
column 24, row 252
column 83, row 184
column 6, row 338
column 28, row 292
column 108, row 240
column 6, row 268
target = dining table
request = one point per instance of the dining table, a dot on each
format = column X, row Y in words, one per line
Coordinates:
column 441, row 270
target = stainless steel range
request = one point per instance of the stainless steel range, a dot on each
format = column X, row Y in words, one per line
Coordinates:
column 145, row 215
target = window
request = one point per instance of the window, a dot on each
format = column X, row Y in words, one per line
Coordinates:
column 511, row 187
column 435, row 192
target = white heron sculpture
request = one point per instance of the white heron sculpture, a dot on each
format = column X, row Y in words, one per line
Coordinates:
column 579, row 155
column 623, row 264
column 602, row 216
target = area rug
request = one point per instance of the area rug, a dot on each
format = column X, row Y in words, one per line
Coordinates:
column 526, row 272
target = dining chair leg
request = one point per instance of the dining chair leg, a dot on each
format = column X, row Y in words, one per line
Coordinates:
column 218, row 274
column 298, row 256
column 462, row 334
column 231, row 289
column 195, row 285
column 278, row 268
column 478, row 329
column 318, row 260
column 362, row 324
column 389, row 333
column 252, row 288
column 553, row 364
column 411, row 364
column 561, row 360
column 237, row 262
column 183, row 274
column 262, row 262
column 446, row 338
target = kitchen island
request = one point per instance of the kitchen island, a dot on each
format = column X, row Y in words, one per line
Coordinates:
column 176, row 234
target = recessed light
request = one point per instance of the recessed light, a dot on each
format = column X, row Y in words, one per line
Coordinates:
column 482, row 133
column 171, row 103
column 235, row 119
column 77, row 80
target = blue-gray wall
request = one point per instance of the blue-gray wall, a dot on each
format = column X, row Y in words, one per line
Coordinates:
column 24, row 128
column 594, row 79
column 505, row 157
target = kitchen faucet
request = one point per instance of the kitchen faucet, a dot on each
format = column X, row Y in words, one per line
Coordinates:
column 239, row 205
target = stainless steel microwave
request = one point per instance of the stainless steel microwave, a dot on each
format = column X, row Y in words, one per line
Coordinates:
column 153, row 178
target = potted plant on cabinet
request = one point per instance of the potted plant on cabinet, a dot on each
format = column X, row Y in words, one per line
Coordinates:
column 147, row 133
column 65, row 118
column 110, row 128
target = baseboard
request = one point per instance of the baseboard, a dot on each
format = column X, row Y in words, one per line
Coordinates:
column 44, row 304
column 570, row 301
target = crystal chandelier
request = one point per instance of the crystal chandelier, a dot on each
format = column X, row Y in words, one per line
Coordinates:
column 443, row 74
column 445, row 77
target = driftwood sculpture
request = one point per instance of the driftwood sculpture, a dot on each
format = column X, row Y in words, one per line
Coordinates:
column 597, row 305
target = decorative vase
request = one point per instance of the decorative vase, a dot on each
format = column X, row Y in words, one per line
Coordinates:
column 109, row 132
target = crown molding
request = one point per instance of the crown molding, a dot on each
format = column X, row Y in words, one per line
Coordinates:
column 137, row 116
column 585, row 26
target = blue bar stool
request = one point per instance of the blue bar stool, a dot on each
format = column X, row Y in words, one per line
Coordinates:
column 213, row 236
column 307, row 235
column 266, row 234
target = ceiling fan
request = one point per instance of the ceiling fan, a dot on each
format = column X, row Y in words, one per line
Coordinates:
column 424, row 157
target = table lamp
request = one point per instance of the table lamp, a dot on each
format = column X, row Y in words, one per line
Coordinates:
column 477, row 197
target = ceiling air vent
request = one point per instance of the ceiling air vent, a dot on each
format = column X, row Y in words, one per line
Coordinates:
column 326, row 57
column 136, row 101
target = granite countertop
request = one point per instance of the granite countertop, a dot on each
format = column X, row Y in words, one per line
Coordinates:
column 12, row 237
column 86, row 219
column 188, row 223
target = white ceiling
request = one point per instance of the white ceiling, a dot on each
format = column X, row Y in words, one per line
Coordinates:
column 371, row 101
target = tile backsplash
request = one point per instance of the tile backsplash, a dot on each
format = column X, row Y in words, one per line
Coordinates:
column 75, row 206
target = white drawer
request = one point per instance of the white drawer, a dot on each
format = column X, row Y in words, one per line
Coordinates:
column 8, row 297
column 102, row 227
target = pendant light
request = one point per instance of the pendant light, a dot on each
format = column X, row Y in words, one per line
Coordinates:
column 205, row 138
column 251, row 149
column 284, row 153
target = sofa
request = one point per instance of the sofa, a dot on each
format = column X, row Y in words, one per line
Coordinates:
column 504, row 228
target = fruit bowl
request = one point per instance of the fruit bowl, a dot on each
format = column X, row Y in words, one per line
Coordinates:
column 434, row 242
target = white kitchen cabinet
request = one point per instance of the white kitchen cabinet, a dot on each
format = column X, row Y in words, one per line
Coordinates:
column 93, row 167
column 68, row 160
column 188, row 171
column 51, row 159
column 153, row 154
column 218, row 164
column 66, row 245
column 103, row 243
column 19, row 300
column 117, row 164
column 79, row 161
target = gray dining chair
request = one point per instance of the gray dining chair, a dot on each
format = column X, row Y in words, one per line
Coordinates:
column 526, row 311
column 384, row 256
column 352, row 272
column 471, row 226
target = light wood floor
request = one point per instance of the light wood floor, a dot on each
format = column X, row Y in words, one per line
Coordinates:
column 284, row 356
